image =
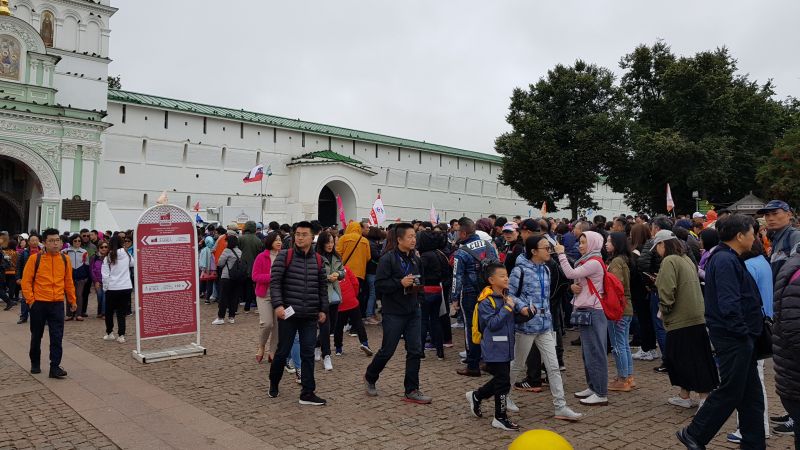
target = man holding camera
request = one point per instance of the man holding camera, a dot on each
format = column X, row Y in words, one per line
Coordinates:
column 397, row 280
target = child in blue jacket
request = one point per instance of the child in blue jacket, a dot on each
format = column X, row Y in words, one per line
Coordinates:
column 496, row 322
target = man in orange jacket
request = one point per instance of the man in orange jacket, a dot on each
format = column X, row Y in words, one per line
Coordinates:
column 46, row 281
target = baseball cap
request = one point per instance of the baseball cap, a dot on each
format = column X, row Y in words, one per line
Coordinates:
column 663, row 235
column 530, row 225
column 773, row 205
column 510, row 227
column 697, row 215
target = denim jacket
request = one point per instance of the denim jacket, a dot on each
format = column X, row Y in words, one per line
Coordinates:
column 535, row 292
column 497, row 325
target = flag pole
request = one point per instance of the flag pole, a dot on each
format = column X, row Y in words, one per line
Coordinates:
column 262, row 200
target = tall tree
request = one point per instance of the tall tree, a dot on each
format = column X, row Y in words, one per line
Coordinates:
column 697, row 124
column 567, row 130
column 780, row 172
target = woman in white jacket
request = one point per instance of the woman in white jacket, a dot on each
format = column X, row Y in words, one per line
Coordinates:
column 118, row 286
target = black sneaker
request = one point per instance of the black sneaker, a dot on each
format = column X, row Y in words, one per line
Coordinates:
column 660, row 369
column 786, row 429
column 504, row 423
column 779, row 420
column 57, row 372
column 311, row 399
column 474, row 404
column 21, row 321
column 35, row 370
column 273, row 391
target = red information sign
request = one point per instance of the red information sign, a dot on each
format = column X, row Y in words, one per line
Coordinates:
column 166, row 273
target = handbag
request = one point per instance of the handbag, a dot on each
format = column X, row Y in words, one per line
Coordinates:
column 581, row 317
column 762, row 347
column 208, row 275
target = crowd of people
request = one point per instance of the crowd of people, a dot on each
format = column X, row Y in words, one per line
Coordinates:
column 708, row 296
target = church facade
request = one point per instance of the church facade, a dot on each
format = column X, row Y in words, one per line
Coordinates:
column 75, row 154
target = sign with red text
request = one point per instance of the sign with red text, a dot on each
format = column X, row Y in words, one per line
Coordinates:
column 166, row 273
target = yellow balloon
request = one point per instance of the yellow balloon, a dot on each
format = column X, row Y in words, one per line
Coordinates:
column 540, row 440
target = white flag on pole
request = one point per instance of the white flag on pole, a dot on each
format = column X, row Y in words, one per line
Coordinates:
column 670, row 202
column 378, row 215
column 434, row 218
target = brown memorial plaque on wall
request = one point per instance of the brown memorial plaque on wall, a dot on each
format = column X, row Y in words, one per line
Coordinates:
column 76, row 209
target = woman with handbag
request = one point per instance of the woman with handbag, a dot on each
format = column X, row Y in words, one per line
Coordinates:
column 588, row 315
column 118, row 286
column 267, row 320
column 231, row 289
column 688, row 357
column 334, row 271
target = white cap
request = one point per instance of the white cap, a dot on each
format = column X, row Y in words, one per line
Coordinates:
column 698, row 215
column 24, row 236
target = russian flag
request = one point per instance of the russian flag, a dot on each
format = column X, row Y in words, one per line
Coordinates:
column 256, row 174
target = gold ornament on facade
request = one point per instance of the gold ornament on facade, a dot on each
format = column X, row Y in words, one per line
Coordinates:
column 4, row 11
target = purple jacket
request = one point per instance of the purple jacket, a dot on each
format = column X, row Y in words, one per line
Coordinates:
column 96, row 266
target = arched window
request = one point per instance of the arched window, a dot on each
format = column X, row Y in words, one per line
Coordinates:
column 47, row 28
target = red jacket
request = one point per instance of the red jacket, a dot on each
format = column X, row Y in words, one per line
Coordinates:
column 349, row 291
column 262, row 268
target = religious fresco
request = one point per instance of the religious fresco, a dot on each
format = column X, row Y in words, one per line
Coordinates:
column 9, row 57
column 47, row 28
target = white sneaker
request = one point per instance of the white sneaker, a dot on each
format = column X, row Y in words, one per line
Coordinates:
column 510, row 405
column 639, row 355
column 231, row 320
column 682, row 402
column 109, row 337
column 642, row 355
column 594, row 400
column 212, row 299
column 317, row 354
column 218, row 322
column 462, row 354
column 121, row 339
column 327, row 363
column 584, row 393
column 566, row 413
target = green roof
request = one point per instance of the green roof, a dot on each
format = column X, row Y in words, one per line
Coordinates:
column 330, row 155
column 293, row 124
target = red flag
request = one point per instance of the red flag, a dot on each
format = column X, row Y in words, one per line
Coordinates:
column 197, row 206
column 256, row 174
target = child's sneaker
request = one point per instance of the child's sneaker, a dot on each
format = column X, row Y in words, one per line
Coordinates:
column 474, row 404
column 504, row 423
column 338, row 351
column 365, row 348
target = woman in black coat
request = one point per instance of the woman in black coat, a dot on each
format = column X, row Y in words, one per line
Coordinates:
column 786, row 339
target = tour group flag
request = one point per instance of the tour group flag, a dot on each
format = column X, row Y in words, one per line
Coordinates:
column 340, row 207
column 377, row 215
column 434, row 218
column 544, row 209
column 256, row 174
column 196, row 207
column 670, row 202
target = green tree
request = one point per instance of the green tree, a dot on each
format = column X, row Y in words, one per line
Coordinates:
column 697, row 125
column 780, row 172
column 567, row 130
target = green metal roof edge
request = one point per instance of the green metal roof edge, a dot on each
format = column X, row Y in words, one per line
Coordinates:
column 330, row 154
column 299, row 125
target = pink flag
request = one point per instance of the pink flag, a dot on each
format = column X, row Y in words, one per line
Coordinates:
column 340, row 207
column 670, row 202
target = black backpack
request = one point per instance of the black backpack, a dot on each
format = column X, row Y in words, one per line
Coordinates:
column 237, row 272
column 482, row 261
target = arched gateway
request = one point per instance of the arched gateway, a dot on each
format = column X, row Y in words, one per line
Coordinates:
column 328, row 212
column 30, row 189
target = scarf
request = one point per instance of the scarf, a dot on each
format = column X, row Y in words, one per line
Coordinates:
column 594, row 244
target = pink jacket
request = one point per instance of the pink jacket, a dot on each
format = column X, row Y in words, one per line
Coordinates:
column 262, row 267
column 589, row 269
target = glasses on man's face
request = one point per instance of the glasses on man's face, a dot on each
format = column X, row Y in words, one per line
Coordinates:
column 303, row 234
column 53, row 241
column 85, row 236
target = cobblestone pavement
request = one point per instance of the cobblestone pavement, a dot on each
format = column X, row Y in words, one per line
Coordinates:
column 229, row 384
column 33, row 417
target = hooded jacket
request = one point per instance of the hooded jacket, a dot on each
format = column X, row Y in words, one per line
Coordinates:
column 497, row 325
column 591, row 269
column 349, row 288
column 250, row 244
column 535, row 292
column 303, row 285
column 466, row 267
column 354, row 248
column 786, row 332
column 262, row 268
column 206, row 258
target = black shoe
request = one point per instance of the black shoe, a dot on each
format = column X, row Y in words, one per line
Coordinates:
column 273, row 391
column 57, row 372
column 576, row 342
column 785, row 429
column 660, row 369
column 779, row 420
column 36, row 369
column 9, row 305
column 311, row 399
column 504, row 423
column 467, row 372
column 474, row 404
column 21, row 321
column 687, row 440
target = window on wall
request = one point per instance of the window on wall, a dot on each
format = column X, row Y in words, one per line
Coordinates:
column 166, row 119
column 376, row 150
column 122, row 170
column 274, row 135
column 398, row 153
column 420, row 156
column 205, row 124
column 440, row 160
column 303, row 140
column 46, row 30
column 241, row 130
column 144, row 201
column 354, row 147
column 329, row 143
column 124, row 112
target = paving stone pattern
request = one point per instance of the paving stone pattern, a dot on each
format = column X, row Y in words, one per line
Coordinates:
column 229, row 384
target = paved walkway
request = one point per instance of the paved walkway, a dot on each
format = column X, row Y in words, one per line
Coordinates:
column 109, row 405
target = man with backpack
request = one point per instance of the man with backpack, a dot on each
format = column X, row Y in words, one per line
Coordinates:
column 467, row 260
column 299, row 294
column 46, row 281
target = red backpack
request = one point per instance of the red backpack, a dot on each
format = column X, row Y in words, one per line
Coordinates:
column 613, row 298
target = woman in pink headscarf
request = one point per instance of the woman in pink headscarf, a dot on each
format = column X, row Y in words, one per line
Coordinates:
column 588, row 315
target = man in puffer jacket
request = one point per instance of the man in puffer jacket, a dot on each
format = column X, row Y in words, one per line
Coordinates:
column 299, row 294
column 786, row 340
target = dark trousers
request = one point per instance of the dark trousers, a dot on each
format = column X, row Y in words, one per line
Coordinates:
column 363, row 296
column 793, row 408
column 658, row 325
column 117, row 304
column 52, row 315
column 739, row 389
column 87, row 288
column 13, row 287
column 447, row 331
column 468, row 304
column 325, row 329
column 229, row 301
column 354, row 316
column 497, row 387
column 307, row 329
column 394, row 326
column 248, row 293
column 647, row 334
column 431, row 322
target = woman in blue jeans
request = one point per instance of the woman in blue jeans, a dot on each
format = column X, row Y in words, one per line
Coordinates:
column 619, row 255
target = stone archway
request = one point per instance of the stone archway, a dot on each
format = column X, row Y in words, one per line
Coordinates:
column 328, row 213
column 46, row 193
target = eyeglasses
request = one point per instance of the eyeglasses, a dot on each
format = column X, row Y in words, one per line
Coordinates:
column 302, row 234
column 103, row 246
column 53, row 241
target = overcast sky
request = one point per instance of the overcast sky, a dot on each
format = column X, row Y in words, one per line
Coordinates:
column 434, row 70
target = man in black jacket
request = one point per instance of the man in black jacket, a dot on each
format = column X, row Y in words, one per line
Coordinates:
column 299, row 292
column 398, row 280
